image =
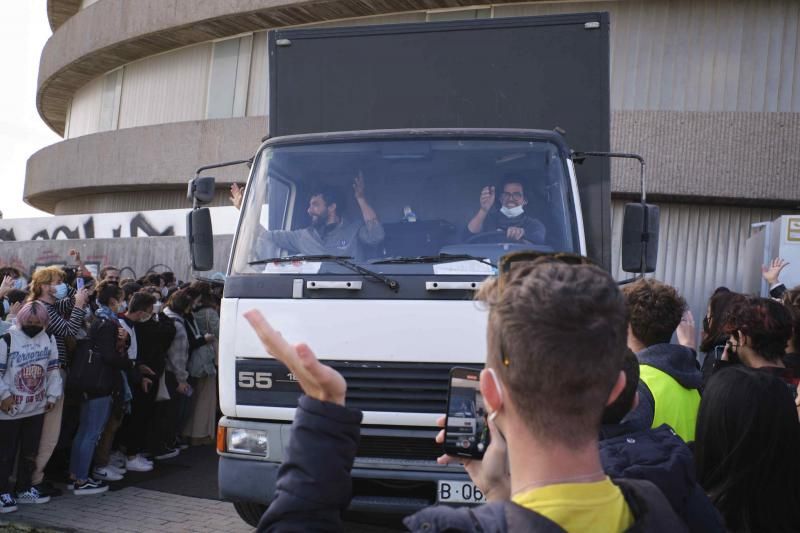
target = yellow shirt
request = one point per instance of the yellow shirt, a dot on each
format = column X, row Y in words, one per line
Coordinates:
column 579, row 507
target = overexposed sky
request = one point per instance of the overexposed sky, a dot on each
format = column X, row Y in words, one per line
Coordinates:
column 23, row 32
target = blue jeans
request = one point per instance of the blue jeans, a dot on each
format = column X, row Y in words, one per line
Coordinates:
column 94, row 414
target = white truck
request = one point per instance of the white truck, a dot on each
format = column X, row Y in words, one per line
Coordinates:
column 428, row 115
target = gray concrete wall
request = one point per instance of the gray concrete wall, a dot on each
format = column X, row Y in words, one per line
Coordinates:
column 139, row 254
column 146, row 160
column 747, row 158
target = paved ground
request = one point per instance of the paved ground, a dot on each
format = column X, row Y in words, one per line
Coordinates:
column 131, row 510
column 180, row 495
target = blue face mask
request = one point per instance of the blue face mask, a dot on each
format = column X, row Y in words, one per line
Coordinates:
column 61, row 291
column 20, row 283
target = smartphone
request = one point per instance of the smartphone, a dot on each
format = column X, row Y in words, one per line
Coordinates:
column 466, row 430
column 79, row 283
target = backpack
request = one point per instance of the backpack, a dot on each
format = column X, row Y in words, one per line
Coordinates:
column 94, row 369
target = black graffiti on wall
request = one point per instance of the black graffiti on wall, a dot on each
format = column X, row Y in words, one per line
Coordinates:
column 138, row 224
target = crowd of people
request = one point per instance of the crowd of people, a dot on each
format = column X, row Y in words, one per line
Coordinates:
column 99, row 376
column 598, row 420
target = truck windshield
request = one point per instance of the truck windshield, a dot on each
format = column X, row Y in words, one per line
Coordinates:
column 404, row 206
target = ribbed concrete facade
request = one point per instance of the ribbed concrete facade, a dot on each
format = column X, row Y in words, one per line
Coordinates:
column 708, row 91
column 146, row 165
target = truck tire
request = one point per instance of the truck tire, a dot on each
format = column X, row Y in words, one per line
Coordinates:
column 250, row 512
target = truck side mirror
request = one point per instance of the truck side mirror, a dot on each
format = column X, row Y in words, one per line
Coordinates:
column 640, row 238
column 201, row 238
column 201, row 190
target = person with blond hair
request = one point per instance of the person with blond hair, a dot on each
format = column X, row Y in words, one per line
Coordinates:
column 49, row 289
column 30, row 385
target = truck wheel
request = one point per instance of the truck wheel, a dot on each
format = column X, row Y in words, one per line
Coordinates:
column 250, row 512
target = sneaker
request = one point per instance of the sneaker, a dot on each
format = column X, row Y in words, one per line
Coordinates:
column 31, row 496
column 7, row 503
column 90, row 486
column 139, row 464
column 181, row 443
column 105, row 472
column 116, row 462
column 46, row 488
column 166, row 453
column 121, row 470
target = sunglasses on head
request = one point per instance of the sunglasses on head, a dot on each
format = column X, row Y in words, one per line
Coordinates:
column 508, row 260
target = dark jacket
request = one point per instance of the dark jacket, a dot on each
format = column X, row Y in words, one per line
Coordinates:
column 777, row 291
column 673, row 359
column 661, row 457
column 535, row 231
column 154, row 338
column 790, row 375
column 314, row 487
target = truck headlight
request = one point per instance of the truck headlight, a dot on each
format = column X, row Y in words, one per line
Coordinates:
column 247, row 441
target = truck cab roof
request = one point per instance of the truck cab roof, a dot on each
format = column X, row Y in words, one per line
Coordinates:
column 420, row 134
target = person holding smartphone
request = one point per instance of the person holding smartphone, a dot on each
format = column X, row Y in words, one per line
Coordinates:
column 759, row 330
column 555, row 340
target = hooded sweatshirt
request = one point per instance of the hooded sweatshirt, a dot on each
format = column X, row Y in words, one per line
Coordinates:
column 29, row 372
column 669, row 389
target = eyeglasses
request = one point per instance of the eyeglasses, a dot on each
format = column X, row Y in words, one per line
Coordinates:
column 508, row 260
column 511, row 195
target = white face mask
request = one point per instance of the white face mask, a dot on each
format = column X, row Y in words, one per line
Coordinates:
column 157, row 307
column 512, row 212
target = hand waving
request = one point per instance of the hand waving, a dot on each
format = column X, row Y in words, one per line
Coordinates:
column 318, row 381
column 487, row 198
column 237, row 193
column 686, row 332
column 773, row 270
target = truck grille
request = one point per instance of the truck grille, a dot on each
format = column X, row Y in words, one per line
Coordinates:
column 371, row 385
column 414, row 448
column 401, row 387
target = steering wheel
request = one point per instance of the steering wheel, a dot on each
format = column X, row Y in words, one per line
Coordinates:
column 496, row 236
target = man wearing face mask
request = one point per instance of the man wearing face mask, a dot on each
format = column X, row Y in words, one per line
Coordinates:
column 511, row 220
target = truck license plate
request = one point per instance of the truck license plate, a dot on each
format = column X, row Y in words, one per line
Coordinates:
column 459, row 492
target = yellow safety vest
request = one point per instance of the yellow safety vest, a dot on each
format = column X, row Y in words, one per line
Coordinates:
column 675, row 405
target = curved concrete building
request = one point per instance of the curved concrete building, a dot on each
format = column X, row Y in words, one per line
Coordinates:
column 707, row 90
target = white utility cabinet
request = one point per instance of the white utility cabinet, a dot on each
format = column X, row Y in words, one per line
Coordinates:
column 779, row 238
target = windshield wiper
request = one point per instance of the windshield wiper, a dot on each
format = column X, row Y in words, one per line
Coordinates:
column 441, row 258
column 343, row 260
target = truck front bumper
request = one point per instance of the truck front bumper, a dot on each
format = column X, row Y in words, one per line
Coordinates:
column 380, row 485
column 246, row 480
